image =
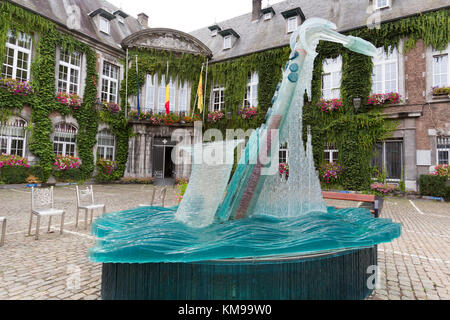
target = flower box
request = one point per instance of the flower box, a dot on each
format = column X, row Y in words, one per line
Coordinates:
column 441, row 92
column 380, row 99
column 111, row 107
column 330, row 105
column 248, row 112
column 215, row 116
column 16, row 87
column 283, row 170
column 69, row 99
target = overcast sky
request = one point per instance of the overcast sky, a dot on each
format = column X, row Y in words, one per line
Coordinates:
column 187, row 15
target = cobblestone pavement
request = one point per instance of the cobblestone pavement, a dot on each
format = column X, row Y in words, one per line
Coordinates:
column 415, row 266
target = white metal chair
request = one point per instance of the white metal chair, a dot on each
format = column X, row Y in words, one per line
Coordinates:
column 2, row 238
column 162, row 197
column 90, row 204
column 42, row 205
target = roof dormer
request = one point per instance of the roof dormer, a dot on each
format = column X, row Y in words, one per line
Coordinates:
column 294, row 17
column 267, row 13
column 229, row 38
column 214, row 30
column 121, row 16
column 102, row 19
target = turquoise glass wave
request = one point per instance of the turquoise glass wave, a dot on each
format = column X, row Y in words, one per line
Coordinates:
column 152, row 234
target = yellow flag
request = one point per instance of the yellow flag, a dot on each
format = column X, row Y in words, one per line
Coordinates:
column 200, row 94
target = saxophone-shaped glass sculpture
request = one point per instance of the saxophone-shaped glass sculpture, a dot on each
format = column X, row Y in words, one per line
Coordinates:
column 256, row 214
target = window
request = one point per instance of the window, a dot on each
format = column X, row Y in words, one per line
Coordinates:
column 227, row 42
column 389, row 155
column 69, row 72
column 150, row 93
column 64, row 139
column 13, row 137
column 284, row 154
column 267, row 16
column 104, row 25
column 292, row 24
column 162, row 95
column 251, row 96
column 110, row 82
column 214, row 32
column 385, row 72
column 331, row 78
column 380, row 4
column 443, row 150
column 17, row 61
column 182, row 98
column 218, row 97
column 106, row 145
column 121, row 19
column 441, row 68
column 331, row 153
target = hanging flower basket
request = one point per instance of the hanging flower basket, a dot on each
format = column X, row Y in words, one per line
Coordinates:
column 330, row 105
column 16, row 87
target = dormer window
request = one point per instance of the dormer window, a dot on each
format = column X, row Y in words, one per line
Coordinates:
column 121, row 16
column 229, row 38
column 104, row 25
column 214, row 30
column 268, row 13
column 121, row 20
column 292, row 24
column 102, row 19
column 227, row 42
column 382, row 4
column 292, row 19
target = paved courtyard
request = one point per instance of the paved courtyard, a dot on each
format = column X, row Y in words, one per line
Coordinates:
column 415, row 266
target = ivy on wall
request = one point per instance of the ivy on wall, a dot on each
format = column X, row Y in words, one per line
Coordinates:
column 43, row 102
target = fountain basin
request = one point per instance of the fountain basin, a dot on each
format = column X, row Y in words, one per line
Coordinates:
column 338, row 275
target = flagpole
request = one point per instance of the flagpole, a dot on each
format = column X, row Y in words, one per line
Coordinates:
column 196, row 95
column 206, row 86
column 137, row 81
column 126, row 86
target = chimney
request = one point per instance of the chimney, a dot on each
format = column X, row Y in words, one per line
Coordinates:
column 256, row 13
column 143, row 19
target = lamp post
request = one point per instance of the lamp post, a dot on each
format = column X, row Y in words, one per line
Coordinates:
column 357, row 103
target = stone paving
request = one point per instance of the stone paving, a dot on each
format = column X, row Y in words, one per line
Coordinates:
column 414, row 267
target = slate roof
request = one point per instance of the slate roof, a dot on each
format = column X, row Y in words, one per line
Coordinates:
column 59, row 11
column 262, row 35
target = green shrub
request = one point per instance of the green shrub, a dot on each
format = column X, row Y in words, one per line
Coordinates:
column 14, row 174
column 70, row 175
column 433, row 185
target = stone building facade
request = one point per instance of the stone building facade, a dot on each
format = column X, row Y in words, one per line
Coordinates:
column 421, row 141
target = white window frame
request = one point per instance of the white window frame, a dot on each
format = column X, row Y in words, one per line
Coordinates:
column 332, row 68
column 220, row 104
column 436, row 54
column 161, row 106
column 182, row 102
column 14, row 131
column 381, row 4
column 383, row 60
column 446, row 142
column 283, row 149
column 110, row 80
column 106, row 133
column 150, row 93
column 214, row 32
column 121, row 19
column 104, row 25
column 333, row 151
column 289, row 26
column 267, row 16
column 70, row 69
column 251, row 94
column 16, row 48
column 227, row 42
column 65, row 130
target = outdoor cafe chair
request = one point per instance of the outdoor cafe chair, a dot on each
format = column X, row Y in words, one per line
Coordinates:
column 42, row 205
column 162, row 198
column 2, row 237
column 86, row 202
